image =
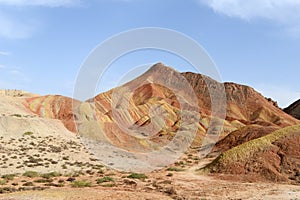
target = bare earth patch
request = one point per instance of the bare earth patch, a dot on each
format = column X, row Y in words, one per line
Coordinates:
column 182, row 187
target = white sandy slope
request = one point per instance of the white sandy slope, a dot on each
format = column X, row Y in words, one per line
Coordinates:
column 15, row 119
column 17, row 148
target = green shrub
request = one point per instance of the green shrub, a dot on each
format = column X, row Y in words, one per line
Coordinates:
column 137, row 176
column 60, row 185
column 51, row 175
column 175, row 169
column 169, row 174
column 104, row 179
column 8, row 176
column 3, row 182
column 43, row 180
column 28, row 184
column 54, row 184
column 80, row 184
column 28, row 133
column 7, row 190
column 31, row 174
column 109, row 185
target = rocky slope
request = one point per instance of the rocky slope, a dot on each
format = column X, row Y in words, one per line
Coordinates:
column 149, row 109
column 34, row 139
column 244, row 107
column 54, row 107
column 294, row 109
column 244, row 104
column 243, row 135
column 274, row 157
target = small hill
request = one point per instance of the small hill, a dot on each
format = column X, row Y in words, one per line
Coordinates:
column 244, row 103
column 16, row 93
column 243, row 135
column 294, row 109
column 274, row 157
column 34, row 139
column 53, row 107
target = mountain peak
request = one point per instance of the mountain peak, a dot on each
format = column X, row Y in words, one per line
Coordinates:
column 160, row 67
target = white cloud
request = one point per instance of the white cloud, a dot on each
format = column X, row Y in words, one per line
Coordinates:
column 22, row 28
column 12, row 78
column 17, row 75
column 48, row 3
column 14, row 71
column 283, row 12
column 14, row 29
column 4, row 53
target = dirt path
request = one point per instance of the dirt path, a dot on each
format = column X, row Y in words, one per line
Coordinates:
column 186, row 188
column 83, row 194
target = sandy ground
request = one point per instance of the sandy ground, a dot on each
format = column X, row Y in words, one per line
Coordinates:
column 185, row 187
column 84, row 194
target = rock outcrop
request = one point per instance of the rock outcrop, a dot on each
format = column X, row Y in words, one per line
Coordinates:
column 245, row 106
column 54, row 107
column 294, row 109
column 274, row 157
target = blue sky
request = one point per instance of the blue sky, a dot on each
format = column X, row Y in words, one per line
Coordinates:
column 44, row 42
